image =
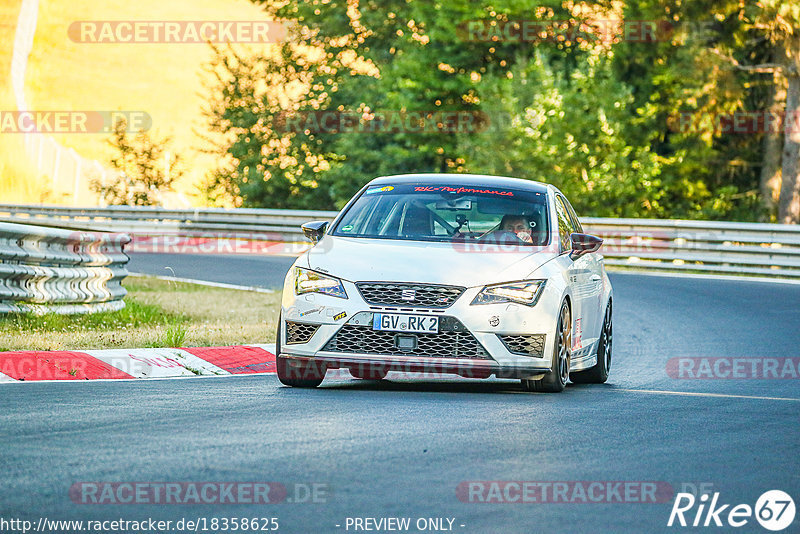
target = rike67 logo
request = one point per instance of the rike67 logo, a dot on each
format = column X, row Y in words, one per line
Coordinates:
column 774, row 510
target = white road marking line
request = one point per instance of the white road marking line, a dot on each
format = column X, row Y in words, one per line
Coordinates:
column 700, row 394
column 203, row 282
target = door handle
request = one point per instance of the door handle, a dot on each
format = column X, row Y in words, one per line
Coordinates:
column 595, row 278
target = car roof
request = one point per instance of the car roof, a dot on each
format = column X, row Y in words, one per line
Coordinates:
column 472, row 180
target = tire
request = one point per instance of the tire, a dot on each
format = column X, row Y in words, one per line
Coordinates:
column 556, row 380
column 598, row 374
column 304, row 376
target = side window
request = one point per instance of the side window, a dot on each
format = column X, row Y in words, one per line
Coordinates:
column 565, row 225
column 576, row 222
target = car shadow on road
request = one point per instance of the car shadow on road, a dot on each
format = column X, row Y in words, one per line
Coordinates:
column 444, row 386
column 439, row 386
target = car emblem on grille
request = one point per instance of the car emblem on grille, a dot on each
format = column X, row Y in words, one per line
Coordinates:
column 408, row 294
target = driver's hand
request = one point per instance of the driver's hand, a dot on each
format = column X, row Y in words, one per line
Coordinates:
column 525, row 236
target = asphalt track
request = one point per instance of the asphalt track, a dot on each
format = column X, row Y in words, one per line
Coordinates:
column 246, row 270
column 401, row 448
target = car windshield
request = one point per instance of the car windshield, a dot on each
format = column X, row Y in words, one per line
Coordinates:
column 448, row 213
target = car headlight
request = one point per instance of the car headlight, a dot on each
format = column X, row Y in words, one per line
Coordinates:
column 307, row 281
column 525, row 292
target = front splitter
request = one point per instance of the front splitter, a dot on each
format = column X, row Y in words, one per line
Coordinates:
column 413, row 366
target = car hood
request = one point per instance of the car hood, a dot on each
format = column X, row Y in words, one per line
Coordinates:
column 359, row 259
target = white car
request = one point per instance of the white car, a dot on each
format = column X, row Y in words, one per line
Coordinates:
column 449, row 273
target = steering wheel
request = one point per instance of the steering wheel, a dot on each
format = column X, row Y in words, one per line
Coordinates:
column 502, row 236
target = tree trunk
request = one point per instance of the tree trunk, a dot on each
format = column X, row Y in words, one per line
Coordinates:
column 789, row 206
column 770, row 181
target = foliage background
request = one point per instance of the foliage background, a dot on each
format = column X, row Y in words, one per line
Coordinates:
column 597, row 116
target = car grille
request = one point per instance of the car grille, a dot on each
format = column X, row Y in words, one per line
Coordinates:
column 410, row 295
column 532, row 345
column 299, row 332
column 453, row 341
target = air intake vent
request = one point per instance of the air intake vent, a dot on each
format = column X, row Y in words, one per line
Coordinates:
column 299, row 332
column 532, row 345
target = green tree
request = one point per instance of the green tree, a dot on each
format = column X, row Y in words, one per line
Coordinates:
column 145, row 170
column 622, row 127
column 724, row 57
column 567, row 130
column 261, row 166
column 419, row 61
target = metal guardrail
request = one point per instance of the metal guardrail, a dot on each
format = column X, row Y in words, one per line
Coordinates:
column 268, row 224
column 653, row 244
column 758, row 249
column 61, row 271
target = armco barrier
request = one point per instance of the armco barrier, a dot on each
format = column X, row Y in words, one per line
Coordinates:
column 62, row 271
column 709, row 246
column 277, row 225
column 653, row 244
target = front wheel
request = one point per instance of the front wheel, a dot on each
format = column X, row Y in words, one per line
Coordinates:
column 299, row 375
column 556, row 380
column 598, row 374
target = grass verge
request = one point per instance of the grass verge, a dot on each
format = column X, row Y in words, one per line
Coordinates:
column 158, row 313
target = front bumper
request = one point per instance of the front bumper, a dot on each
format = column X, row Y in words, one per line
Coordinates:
column 485, row 323
column 415, row 367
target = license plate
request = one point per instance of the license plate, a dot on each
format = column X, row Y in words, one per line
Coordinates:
column 396, row 322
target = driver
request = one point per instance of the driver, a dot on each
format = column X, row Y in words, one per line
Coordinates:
column 520, row 225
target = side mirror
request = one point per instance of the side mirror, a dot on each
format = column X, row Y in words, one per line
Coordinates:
column 314, row 230
column 583, row 244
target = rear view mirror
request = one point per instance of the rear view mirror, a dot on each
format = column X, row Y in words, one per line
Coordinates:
column 314, row 230
column 584, row 244
column 462, row 204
